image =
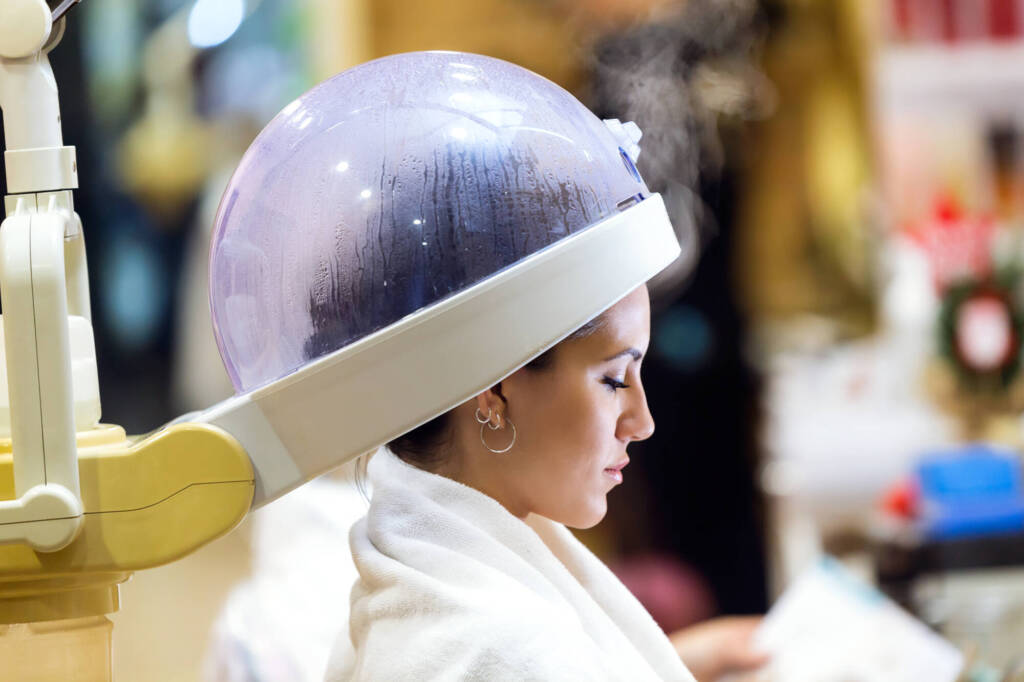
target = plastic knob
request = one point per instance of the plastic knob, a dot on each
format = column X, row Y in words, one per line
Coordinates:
column 25, row 27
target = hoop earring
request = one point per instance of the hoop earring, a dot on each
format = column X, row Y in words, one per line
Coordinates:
column 480, row 418
column 507, row 448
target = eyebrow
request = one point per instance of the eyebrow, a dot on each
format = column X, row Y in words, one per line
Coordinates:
column 629, row 351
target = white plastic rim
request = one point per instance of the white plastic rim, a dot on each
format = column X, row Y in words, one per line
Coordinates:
column 364, row 395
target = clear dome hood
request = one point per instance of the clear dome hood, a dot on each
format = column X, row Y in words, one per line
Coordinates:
column 392, row 186
column 405, row 235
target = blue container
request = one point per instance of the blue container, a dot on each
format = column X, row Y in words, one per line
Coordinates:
column 971, row 491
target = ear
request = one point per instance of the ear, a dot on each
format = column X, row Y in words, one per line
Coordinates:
column 491, row 403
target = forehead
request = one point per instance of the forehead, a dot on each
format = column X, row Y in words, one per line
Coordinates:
column 631, row 316
column 627, row 324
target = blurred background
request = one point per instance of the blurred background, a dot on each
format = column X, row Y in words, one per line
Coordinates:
column 839, row 372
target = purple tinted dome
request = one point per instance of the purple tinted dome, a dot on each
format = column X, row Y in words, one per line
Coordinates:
column 394, row 185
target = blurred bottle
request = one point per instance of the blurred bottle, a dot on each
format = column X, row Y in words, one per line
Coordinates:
column 1008, row 189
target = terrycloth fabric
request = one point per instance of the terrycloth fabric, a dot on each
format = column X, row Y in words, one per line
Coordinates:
column 454, row 587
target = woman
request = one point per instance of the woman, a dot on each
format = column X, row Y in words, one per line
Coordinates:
column 414, row 234
column 466, row 568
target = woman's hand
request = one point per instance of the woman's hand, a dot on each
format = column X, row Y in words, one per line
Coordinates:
column 720, row 646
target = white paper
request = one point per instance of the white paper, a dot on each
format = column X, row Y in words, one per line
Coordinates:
column 829, row 626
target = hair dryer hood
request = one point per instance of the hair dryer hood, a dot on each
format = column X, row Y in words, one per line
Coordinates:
column 390, row 187
column 413, row 229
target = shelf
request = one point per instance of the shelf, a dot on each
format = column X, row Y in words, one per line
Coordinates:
column 982, row 77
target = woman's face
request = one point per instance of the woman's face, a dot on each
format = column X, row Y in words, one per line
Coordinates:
column 573, row 421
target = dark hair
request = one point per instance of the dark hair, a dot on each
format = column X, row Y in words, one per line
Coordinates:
column 424, row 446
column 479, row 210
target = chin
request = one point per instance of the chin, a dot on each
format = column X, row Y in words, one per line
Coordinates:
column 590, row 518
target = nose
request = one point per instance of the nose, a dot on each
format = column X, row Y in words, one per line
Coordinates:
column 636, row 422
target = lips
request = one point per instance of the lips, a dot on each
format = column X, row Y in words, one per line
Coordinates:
column 615, row 472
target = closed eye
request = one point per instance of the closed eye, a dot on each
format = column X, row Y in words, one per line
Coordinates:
column 613, row 384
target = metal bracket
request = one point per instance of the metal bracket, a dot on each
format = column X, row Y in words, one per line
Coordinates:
column 63, row 8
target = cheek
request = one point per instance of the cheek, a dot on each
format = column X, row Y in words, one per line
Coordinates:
column 568, row 436
column 574, row 423
column 595, row 411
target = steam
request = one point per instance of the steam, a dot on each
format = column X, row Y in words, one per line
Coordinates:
column 674, row 78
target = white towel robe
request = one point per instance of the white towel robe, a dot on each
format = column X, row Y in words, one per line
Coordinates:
column 454, row 587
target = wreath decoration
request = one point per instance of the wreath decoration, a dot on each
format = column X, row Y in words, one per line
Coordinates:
column 980, row 328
